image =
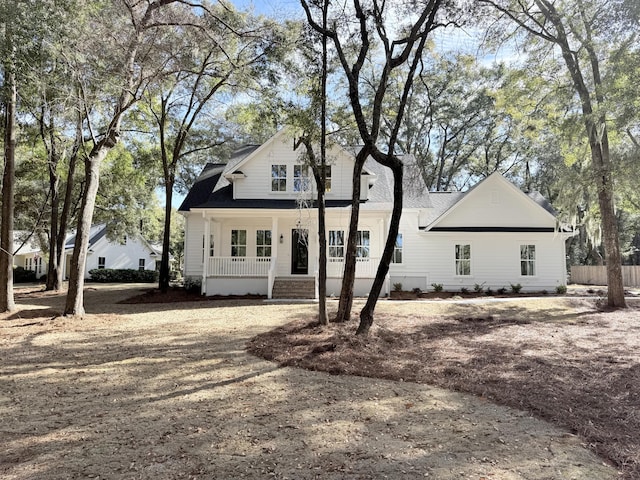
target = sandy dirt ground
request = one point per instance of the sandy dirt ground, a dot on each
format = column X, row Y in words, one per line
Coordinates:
column 164, row 391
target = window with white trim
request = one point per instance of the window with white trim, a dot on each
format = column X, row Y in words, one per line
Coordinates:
column 263, row 243
column 327, row 178
column 527, row 260
column 300, row 178
column 363, row 244
column 463, row 259
column 102, row 262
column 238, row 243
column 278, row 178
column 397, row 250
column 336, row 243
column 141, row 264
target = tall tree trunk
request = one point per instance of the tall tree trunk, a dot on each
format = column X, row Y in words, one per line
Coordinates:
column 323, row 319
column 322, row 185
column 166, row 236
column 54, row 188
column 349, row 276
column 603, row 177
column 7, row 302
column 366, row 314
column 56, row 271
column 75, row 295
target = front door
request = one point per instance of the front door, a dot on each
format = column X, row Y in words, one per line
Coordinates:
column 299, row 252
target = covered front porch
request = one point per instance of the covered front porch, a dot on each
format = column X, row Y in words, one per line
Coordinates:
column 250, row 255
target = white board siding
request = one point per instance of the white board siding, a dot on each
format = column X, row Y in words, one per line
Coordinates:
column 194, row 231
column 257, row 171
column 120, row 256
column 495, row 203
column 495, row 260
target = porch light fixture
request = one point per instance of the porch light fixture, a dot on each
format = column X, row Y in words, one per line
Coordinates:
column 281, row 238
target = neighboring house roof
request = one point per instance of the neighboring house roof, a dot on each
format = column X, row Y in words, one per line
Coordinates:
column 98, row 232
column 95, row 233
column 27, row 247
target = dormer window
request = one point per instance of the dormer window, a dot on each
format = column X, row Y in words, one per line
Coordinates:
column 278, row 178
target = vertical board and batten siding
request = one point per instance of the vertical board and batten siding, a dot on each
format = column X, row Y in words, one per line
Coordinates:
column 495, row 203
column 194, row 231
column 597, row 275
column 257, row 171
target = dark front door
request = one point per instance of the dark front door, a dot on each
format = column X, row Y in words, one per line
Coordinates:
column 299, row 252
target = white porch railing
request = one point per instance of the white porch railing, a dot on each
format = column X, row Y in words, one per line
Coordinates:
column 366, row 267
column 238, row 266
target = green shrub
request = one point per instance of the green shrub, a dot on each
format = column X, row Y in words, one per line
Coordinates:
column 417, row 291
column 397, row 287
column 502, row 291
column 489, row 292
column 193, row 285
column 479, row 287
column 516, row 288
column 437, row 287
column 561, row 289
column 123, row 275
column 20, row 275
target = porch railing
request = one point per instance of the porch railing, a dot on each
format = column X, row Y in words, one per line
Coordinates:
column 366, row 267
column 238, row 266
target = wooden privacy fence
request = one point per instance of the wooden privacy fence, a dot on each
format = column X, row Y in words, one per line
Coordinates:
column 596, row 275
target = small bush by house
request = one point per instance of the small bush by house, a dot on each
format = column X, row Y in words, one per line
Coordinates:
column 21, row 275
column 123, row 275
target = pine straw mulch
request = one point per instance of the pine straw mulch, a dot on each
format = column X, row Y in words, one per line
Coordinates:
column 567, row 362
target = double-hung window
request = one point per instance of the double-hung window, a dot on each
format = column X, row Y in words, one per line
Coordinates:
column 336, row 244
column 238, row 243
column 300, row 178
column 102, row 262
column 362, row 244
column 278, row 178
column 141, row 264
column 463, row 259
column 397, row 250
column 263, row 243
column 327, row 178
column 527, row 260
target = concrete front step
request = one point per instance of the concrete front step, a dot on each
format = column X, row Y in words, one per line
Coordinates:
column 293, row 288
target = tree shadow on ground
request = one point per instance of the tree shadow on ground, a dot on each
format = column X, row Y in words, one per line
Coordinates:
column 578, row 369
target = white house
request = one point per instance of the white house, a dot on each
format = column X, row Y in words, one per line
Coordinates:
column 128, row 252
column 27, row 254
column 246, row 232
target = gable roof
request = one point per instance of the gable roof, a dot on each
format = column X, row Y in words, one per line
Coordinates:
column 99, row 231
column 212, row 188
column 203, row 187
column 445, row 203
column 95, row 233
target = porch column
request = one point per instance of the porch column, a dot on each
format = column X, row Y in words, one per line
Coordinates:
column 275, row 238
column 205, row 254
column 275, row 241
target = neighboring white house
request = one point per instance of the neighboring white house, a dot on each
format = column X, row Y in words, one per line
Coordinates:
column 27, row 254
column 245, row 231
column 128, row 252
